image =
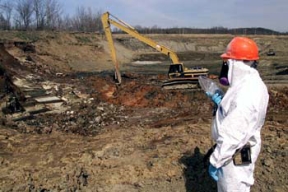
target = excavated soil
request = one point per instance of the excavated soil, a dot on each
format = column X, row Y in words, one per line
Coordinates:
column 137, row 136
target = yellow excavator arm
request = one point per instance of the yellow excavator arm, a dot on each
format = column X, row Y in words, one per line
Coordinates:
column 107, row 21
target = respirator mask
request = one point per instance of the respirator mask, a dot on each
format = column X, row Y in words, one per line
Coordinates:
column 223, row 78
column 225, row 74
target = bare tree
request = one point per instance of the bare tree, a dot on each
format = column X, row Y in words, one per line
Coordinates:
column 47, row 14
column 24, row 13
column 65, row 23
column 53, row 13
column 97, row 21
column 79, row 19
column 86, row 20
column 6, row 9
column 40, row 13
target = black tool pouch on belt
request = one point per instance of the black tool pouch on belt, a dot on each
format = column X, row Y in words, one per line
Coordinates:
column 242, row 156
column 207, row 156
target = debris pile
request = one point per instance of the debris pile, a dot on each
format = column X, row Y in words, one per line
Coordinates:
column 86, row 119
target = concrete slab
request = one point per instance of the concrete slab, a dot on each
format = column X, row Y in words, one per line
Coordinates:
column 48, row 99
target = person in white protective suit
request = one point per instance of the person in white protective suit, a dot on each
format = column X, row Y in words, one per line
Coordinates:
column 240, row 116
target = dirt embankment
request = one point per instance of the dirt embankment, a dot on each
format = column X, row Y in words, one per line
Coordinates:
column 135, row 137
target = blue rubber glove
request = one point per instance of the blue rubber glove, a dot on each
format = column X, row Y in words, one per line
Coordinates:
column 213, row 172
column 216, row 98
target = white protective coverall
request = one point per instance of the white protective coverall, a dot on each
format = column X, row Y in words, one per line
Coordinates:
column 239, row 119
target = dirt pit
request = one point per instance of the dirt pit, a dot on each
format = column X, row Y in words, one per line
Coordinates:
column 133, row 137
column 103, row 137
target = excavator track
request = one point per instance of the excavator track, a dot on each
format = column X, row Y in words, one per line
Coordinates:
column 180, row 84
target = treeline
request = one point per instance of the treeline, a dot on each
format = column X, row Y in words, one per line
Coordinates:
column 213, row 30
column 46, row 15
column 49, row 15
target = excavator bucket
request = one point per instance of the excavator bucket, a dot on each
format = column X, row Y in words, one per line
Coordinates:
column 117, row 74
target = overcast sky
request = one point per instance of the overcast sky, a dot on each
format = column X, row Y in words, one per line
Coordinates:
column 272, row 14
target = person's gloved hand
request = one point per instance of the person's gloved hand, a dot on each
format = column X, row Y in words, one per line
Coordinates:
column 213, row 172
column 216, row 98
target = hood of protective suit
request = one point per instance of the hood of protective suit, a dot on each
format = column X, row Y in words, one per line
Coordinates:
column 238, row 71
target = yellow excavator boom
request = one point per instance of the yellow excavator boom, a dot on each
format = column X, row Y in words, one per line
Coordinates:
column 107, row 29
column 107, row 21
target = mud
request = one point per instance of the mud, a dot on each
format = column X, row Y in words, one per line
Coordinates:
column 131, row 137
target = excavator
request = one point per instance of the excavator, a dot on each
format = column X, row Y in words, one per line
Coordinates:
column 178, row 74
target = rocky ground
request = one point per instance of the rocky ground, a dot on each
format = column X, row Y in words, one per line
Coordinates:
column 104, row 137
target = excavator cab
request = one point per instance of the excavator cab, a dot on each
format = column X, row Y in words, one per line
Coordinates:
column 271, row 53
column 175, row 70
column 180, row 77
column 178, row 71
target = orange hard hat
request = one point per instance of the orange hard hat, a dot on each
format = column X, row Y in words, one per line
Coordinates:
column 241, row 48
